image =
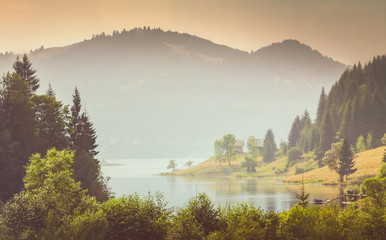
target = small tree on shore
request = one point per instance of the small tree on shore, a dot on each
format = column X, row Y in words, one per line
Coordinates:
column 189, row 163
column 302, row 196
column 172, row 165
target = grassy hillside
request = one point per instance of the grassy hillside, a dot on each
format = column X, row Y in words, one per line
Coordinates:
column 367, row 162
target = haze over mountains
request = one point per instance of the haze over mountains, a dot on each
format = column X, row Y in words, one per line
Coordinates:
column 152, row 93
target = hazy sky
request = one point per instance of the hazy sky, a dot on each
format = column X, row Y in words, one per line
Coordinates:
column 346, row 30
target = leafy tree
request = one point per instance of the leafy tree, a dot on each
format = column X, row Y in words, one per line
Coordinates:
column 172, row 165
column 252, row 146
column 331, row 156
column 360, row 145
column 376, row 189
column 250, row 163
column 294, row 155
column 229, row 146
column 135, row 217
column 189, row 163
column 53, row 205
column 27, row 73
column 219, row 151
column 196, row 220
column 269, row 146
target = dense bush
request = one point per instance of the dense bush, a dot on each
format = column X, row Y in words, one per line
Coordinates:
column 54, row 206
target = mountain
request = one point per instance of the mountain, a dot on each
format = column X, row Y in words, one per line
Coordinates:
column 155, row 93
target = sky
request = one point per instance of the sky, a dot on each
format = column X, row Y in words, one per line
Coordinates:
column 346, row 30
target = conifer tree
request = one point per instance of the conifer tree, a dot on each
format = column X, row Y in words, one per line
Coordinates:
column 360, row 144
column 321, row 107
column 269, row 146
column 294, row 134
column 327, row 135
column 50, row 92
column 27, row 73
column 346, row 161
column 369, row 141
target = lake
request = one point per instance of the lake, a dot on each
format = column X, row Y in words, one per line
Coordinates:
column 140, row 175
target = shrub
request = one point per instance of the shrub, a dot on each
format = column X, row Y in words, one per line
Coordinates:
column 294, row 155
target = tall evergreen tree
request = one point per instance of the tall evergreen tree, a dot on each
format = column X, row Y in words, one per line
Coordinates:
column 18, row 135
column 321, row 107
column 346, row 161
column 269, row 147
column 74, row 127
column 50, row 92
column 327, row 136
column 294, row 134
column 27, row 73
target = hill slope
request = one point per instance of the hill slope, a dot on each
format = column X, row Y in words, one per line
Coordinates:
column 152, row 93
column 367, row 162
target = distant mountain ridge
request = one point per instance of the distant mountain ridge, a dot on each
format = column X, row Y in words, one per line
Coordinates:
column 172, row 94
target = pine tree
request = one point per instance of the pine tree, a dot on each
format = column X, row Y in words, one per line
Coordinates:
column 294, row 134
column 50, row 92
column 26, row 72
column 360, row 144
column 74, row 128
column 269, row 147
column 87, row 136
column 346, row 161
column 321, row 107
column 369, row 141
column 327, row 135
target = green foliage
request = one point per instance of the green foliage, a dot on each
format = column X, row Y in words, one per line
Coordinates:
column 303, row 169
column 383, row 140
column 24, row 69
column 269, row 147
column 225, row 149
column 382, row 171
column 189, row 163
column 360, row 145
column 133, row 217
column 172, row 165
column 196, row 220
column 294, row 155
column 250, row 163
column 302, row 196
column 340, row 158
column 346, row 161
column 376, row 189
column 369, row 141
column 244, row 221
column 52, row 205
column 252, row 146
column 219, row 151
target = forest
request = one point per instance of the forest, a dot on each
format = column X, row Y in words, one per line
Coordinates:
column 51, row 186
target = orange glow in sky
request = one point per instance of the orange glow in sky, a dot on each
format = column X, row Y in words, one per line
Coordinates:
column 346, row 30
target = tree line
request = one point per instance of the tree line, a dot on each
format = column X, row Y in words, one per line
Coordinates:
column 52, row 205
column 32, row 123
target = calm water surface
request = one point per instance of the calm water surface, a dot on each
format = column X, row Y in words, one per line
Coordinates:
column 140, row 175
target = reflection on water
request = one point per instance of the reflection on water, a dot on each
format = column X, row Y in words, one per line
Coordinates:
column 271, row 194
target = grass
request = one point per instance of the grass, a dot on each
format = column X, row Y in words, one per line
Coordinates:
column 367, row 162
